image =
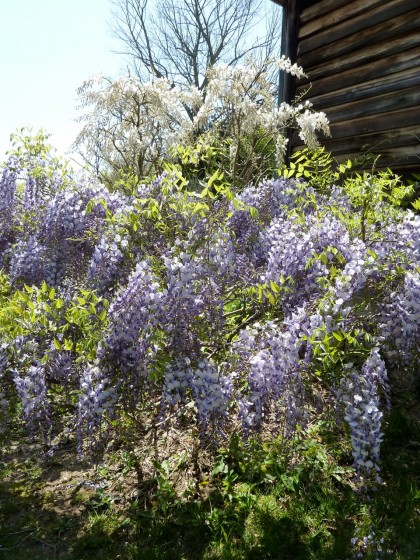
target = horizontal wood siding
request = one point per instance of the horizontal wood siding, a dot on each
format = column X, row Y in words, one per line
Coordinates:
column 362, row 59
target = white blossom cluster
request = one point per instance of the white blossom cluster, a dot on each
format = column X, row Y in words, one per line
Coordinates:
column 133, row 125
column 133, row 122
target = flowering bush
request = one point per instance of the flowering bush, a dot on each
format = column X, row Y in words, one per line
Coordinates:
column 233, row 309
column 239, row 307
column 131, row 126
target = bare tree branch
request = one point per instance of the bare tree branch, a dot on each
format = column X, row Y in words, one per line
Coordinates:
column 181, row 39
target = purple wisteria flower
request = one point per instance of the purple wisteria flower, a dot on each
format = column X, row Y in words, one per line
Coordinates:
column 400, row 320
column 7, row 206
column 60, row 367
column 135, row 315
column 273, row 378
column 292, row 246
column 192, row 297
column 31, row 388
column 360, row 394
column 97, row 396
column 107, row 266
column 205, row 386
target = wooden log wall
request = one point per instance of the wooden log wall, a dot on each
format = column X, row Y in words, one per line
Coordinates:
column 362, row 58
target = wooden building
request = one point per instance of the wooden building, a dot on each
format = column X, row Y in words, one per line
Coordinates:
column 362, row 58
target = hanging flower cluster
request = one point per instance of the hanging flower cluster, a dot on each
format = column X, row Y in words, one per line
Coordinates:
column 32, row 391
column 360, row 393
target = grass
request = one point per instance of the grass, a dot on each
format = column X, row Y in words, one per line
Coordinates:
column 249, row 503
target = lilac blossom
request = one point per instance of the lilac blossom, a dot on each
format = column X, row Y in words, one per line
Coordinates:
column 399, row 243
column 176, row 382
column 272, row 200
column 61, row 367
column 191, row 295
column 7, row 205
column 29, row 263
column 212, row 393
column 210, row 390
column 59, row 246
column 41, row 184
column 275, row 198
column 367, row 544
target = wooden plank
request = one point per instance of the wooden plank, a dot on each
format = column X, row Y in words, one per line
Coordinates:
column 367, row 72
column 397, row 160
column 382, row 13
column 394, row 160
column 385, row 126
column 322, row 7
column 363, row 58
column 397, row 164
column 389, row 36
column 334, row 16
column 406, row 136
column 394, row 82
column 372, row 123
column 378, row 104
column 382, row 50
column 389, row 154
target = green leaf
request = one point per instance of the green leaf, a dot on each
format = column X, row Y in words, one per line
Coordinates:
column 275, row 287
column 254, row 212
column 416, row 204
column 68, row 344
column 220, row 468
column 216, row 175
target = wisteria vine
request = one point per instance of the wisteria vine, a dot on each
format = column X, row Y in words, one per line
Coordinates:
column 229, row 312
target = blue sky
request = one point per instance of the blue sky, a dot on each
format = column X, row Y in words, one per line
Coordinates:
column 47, row 49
